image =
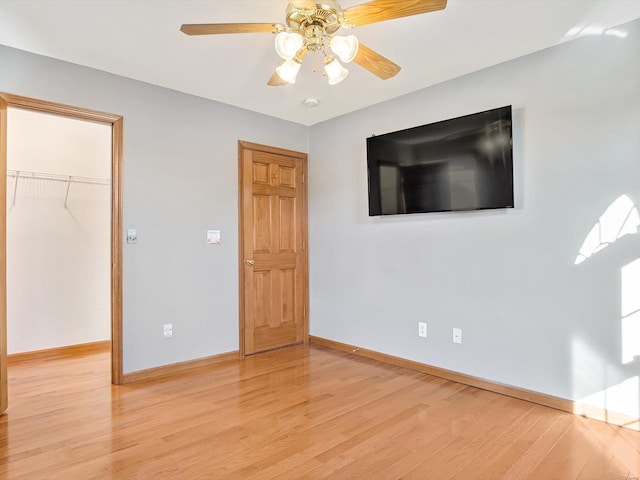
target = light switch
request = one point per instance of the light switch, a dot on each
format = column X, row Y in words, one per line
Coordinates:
column 132, row 235
column 213, row 237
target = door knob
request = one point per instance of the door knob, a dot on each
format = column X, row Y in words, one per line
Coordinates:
column 249, row 262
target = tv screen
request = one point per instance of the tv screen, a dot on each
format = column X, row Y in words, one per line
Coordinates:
column 464, row 163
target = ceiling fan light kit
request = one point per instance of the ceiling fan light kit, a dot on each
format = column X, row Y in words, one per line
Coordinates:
column 288, row 71
column 288, row 44
column 346, row 48
column 310, row 27
column 334, row 70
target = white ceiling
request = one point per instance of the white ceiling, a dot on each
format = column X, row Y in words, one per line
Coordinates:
column 141, row 39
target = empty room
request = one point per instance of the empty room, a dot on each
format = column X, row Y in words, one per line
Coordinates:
column 320, row 239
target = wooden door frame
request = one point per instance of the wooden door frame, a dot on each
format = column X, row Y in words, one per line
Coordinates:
column 116, row 123
column 242, row 146
column 4, row 397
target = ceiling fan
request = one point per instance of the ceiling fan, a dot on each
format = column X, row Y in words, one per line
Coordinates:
column 311, row 26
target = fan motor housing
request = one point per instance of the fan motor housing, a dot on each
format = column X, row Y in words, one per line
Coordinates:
column 325, row 17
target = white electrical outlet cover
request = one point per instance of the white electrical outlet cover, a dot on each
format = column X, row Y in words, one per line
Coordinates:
column 457, row 335
column 422, row 329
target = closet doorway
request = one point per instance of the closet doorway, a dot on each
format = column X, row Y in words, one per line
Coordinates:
column 63, row 231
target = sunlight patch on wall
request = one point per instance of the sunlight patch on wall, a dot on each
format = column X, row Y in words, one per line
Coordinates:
column 630, row 311
column 588, row 372
column 622, row 398
column 621, row 218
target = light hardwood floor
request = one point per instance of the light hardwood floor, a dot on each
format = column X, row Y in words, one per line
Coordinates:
column 300, row 412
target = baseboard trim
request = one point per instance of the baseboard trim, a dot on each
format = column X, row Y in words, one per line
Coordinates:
column 174, row 368
column 516, row 392
column 58, row 352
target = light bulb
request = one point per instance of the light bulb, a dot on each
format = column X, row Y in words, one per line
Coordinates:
column 288, row 44
column 345, row 48
column 289, row 70
column 334, row 70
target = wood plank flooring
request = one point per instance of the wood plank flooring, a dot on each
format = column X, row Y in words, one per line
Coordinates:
column 299, row 412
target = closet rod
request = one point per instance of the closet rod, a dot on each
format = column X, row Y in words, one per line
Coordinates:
column 57, row 178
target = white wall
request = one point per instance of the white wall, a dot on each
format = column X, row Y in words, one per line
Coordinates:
column 180, row 179
column 530, row 317
column 58, row 259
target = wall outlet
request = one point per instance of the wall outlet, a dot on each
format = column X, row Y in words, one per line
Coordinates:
column 457, row 335
column 132, row 235
column 168, row 330
column 422, row 329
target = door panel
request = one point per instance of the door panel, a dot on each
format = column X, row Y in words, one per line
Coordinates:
column 262, row 224
column 273, row 248
column 287, row 233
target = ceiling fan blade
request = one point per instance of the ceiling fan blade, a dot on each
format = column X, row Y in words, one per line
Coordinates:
column 380, row 10
column 218, row 28
column 276, row 80
column 376, row 63
column 304, row 4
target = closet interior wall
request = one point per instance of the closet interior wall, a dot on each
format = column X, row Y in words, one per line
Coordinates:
column 58, row 231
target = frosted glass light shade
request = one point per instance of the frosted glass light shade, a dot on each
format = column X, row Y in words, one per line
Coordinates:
column 345, row 48
column 289, row 70
column 334, row 70
column 288, row 44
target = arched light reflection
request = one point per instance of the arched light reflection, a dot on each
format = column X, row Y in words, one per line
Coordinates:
column 621, row 218
column 595, row 30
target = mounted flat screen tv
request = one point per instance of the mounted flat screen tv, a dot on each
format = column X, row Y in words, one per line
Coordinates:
column 464, row 163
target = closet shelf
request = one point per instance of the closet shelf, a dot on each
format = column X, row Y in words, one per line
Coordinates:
column 57, row 178
column 68, row 179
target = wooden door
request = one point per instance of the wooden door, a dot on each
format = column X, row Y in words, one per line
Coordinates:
column 3, row 256
column 273, row 256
